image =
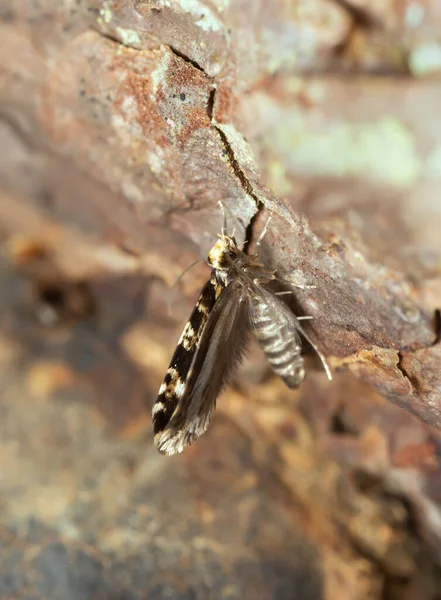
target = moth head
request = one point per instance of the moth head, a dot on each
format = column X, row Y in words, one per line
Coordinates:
column 223, row 252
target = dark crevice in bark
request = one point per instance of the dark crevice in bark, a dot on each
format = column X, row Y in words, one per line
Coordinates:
column 210, row 104
column 437, row 324
column 112, row 37
column 192, row 62
column 229, row 150
column 249, row 231
column 342, row 423
column 361, row 17
column 236, row 167
column 245, row 184
column 405, row 374
column 400, row 365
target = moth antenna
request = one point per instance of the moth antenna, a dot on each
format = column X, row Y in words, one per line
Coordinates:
column 317, row 351
column 224, row 212
column 265, row 229
column 195, row 262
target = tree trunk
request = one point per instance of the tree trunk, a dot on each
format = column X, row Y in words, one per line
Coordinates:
column 123, row 124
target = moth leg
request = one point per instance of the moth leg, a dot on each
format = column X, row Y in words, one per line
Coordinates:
column 303, row 287
column 300, row 286
column 301, row 317
column 263, row 233
column 259, row 281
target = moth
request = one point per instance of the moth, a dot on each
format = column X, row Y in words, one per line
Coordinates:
column 235, row 302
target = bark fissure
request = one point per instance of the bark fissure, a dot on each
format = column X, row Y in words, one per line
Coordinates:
column 437, row 326
column 238, row 171
column 189, row 60
column 403, row 370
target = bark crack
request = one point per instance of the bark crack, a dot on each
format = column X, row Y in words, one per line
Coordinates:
column 189, row 60
column 237, row 169
column 362, row 17
column 235, row 165
column 405, row 374
column 246, row 185
column 437, row 327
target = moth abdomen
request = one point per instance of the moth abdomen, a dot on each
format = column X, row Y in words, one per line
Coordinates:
column 279, row 340
column 283, row 353
column 291, row 370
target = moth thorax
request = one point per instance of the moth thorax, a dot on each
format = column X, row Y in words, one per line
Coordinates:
column 222, row 253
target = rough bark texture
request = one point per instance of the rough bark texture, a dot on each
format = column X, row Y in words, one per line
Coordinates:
column 123, row 123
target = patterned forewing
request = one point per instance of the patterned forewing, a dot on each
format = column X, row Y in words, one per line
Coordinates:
column 219, row 352
column 276, row 330
column 175, row 380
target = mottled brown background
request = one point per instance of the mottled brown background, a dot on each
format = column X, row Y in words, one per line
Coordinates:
column 122, row 125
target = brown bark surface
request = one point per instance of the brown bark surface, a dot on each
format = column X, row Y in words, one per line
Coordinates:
column 123, row 123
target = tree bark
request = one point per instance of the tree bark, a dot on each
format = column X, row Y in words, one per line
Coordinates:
column 123, row 124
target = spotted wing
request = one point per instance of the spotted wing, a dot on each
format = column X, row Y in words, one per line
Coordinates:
column 176, row 377
column 219, row 351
